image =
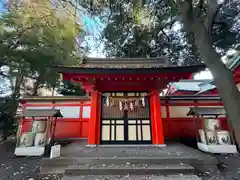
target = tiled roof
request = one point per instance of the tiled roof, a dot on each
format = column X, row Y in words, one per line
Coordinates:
column 124, row 63
column 41, row 113
column 205, row 111
column 206, row 87
column 49, row 98
column 187, row 85
column 193, row 85
column 234, row 61
column 127, row 65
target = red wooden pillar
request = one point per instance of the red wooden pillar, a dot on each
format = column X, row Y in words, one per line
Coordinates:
column 156, row 118
column 94, row 121
column 191, row 76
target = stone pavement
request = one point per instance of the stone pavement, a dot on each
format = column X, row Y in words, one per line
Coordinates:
column 27, row 168
column 174, row 162
column 78, row 149
column 135, row 177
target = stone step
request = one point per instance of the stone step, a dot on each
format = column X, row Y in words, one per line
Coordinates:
column 141, row 169
column 119, row 160
column 132, row 177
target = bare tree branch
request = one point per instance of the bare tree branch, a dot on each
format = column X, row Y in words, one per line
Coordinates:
column 4, row 75
column 165, row 34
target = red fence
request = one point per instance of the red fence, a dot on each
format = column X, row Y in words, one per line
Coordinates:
column 74, row 123
column 176, row 123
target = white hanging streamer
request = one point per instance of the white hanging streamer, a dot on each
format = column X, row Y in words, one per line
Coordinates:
column 143, row 102
column 131, row 106
column 120, row 105
column 125, row 106
column 137, row 103
column 107, row 101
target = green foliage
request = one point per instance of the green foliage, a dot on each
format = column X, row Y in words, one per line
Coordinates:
column 38, row 35
column 7, row 120
column 151, row 28
column 34, row 35
column 69, row 88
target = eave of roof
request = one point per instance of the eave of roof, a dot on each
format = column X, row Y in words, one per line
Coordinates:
column 186, row 85
column 206, row 87
column 124, row 63
column 206, row 82
column 201, row 81
column 55, row 98
column 206, row 111
column 189, row 69
column 190, row 97
column 235, row 63
column 41, row 113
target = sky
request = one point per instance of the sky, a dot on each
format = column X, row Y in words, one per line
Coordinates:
column 93, row 28
column 203, row 75
column 2, row 6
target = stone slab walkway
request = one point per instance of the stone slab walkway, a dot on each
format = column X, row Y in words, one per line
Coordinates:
column 78, row 149
column 135, row 177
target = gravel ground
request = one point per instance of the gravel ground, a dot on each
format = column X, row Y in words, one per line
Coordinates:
column 20, row 168
column 27, row 168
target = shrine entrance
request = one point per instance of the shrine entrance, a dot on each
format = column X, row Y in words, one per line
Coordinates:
column 125, row 118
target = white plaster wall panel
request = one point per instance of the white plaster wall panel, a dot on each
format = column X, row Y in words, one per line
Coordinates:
column 38, row 107
column 68, row 102
column 163, row 111
column 38, row 102
column 86, row 112
column 179, row 111
column 69, row 111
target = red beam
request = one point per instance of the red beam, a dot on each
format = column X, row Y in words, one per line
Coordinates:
column 193, row 104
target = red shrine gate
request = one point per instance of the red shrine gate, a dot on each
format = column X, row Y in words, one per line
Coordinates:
column 131, row 77
column 123, row 122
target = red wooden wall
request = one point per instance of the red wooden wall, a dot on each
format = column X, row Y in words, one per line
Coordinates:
column 176, row 124
column 66, row 127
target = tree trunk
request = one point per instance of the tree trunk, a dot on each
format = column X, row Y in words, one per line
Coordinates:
column 16, row 91
column 35, row 87
column 223, row 77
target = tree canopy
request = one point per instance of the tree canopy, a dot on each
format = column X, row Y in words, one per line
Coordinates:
column 154, row 28
column 207, row 29
column 35, row 35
